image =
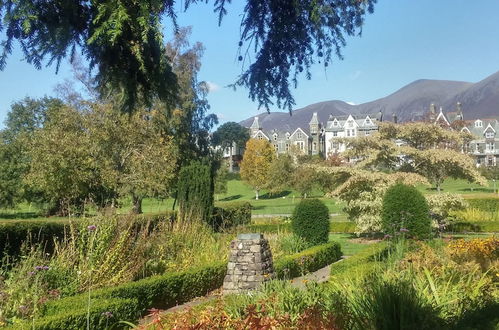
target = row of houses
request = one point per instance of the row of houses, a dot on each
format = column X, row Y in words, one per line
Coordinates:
column 326, row 138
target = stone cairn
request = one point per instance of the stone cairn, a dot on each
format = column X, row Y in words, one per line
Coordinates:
column 250, row 263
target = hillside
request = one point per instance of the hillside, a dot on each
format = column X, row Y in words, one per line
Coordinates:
column 479, row 100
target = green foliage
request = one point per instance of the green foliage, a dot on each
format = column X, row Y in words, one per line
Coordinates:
column 195, row 192
column 404, row 207
column 229, row 133
column 310, row 221
column 490, row 204
column 280, row 174
column 293, row 244
column 258, row 157
column 365, row 259
column 443, row 204
column 304, row 180
column 473, row 226
column 221, row 178
column 307, row 261
column 104, row 313
column 231, row 215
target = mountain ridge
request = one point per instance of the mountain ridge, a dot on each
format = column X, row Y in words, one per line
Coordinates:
column 410, row 102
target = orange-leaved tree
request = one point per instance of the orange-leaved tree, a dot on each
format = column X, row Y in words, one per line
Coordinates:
column 255, row 166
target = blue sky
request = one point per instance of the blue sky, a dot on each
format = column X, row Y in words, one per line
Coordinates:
column 404, row 40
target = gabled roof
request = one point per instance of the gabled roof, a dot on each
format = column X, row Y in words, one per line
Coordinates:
column 299, row 129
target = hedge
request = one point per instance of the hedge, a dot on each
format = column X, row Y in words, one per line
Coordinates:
column 13, row 233
column 489, row 204
column 482, row 226
column 129, row 301
column 334, row 227
column 307, row 261
column 231, row 215
column 365, row 257
column 75, row 316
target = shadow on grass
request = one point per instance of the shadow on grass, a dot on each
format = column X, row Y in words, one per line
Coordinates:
column 230, row 198
column 276, row 195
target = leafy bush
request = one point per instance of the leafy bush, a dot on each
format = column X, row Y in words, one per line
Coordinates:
column 293, row 244
column 474, row 215
column 483, row 226
column 307, row 261
column 231, row 215
column 405, row 208
column 195, row 192
column 310, row 221
column 365, row 258
column 441, row 205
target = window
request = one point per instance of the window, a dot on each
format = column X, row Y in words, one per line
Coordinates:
column 489, row 135
column 276, row 147
column 350, row 123
column 335, row 123
column 348, row 132
column 260, row 137
column 314, row 146
column 353, row 132
column 287, row 146
column 368, row 133
column 298, row 135
column 275, row 137
column 287, row 136
column 335, row 133
column 478, row 123
column 489, row 146
column 301, row 145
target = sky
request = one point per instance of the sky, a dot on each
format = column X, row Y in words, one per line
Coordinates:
column 402, row 41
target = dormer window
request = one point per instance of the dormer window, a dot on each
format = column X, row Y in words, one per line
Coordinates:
column 335, row 123
column 489, row 135
column 275, row 136
column 478, row 123
column 350, row 123
column 287, row 136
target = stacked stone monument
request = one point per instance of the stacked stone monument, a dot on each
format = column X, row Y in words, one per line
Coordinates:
column 250, row 263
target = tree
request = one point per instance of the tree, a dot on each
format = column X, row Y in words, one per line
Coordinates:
column 304, row 180
column 24, row 117
column 221, row 178
column 280, row 174
column 136, row 159
column 124, row 41
column 195, row 192
column 228, row 134
column 255, row 166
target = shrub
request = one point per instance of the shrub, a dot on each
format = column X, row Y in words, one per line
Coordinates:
column 442, row 204
column 307, row 261
column 231, row 215
column 404, row 207
column 478, row 226
column 195, row 192
column 310, row 221
column 365, row 258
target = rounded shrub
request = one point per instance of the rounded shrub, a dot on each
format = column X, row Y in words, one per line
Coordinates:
column 405, row 210
column 310, row 221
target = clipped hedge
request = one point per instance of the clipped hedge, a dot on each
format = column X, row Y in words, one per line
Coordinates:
column 334, row 227
column 307, row 261
column 13, row 233
column 489, row 204
column 482, row 226
column 363, row 259
column 75, row 316
column 129, row 301
column 231, row 215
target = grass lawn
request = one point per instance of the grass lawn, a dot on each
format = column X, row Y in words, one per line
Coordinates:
column 278, row 204
column 348, row 247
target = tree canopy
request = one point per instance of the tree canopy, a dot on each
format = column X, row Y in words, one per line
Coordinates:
column 123, row 40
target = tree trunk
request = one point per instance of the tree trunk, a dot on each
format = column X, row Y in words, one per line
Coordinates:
column 136, row 204
column 256, row 194
column 231, row 161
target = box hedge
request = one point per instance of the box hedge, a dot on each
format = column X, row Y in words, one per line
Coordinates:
column 231, row 215
column 13, row 233
column 363, row 259
column 129, row 301
column 307, row 261
column 310, row 221
column 478, row 226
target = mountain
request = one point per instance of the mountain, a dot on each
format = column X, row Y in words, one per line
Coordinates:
column 411, row 102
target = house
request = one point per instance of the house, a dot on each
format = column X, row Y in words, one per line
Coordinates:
column 344, row 127
column 308, row 140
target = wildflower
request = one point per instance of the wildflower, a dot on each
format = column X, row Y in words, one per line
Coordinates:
column 92, row 228
column 404, row 230
column 107, row 314
column 45, row 267
column 38, row 268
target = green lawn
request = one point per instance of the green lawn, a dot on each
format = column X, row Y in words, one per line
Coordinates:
column 281, row 204
column 348, row 247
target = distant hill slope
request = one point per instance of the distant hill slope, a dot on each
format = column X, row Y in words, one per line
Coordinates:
column 479, row 100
